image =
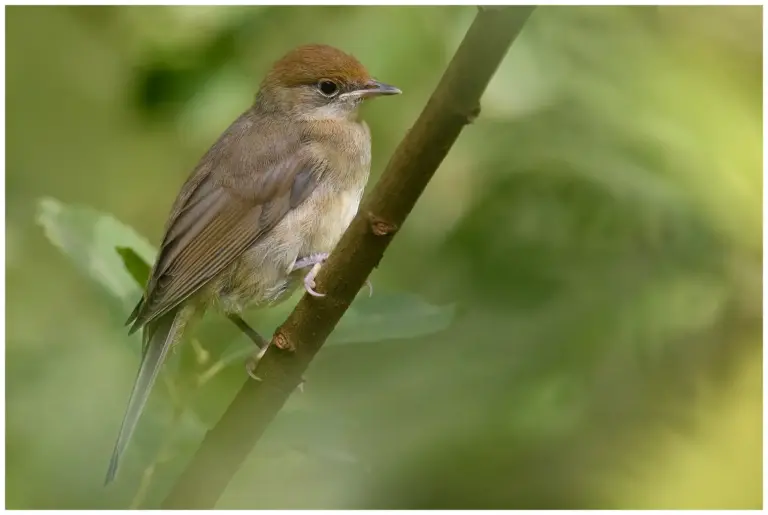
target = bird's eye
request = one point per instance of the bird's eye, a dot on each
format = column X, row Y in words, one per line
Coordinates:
column 328, row 87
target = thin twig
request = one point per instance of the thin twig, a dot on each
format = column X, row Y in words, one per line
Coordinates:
column 454, row 104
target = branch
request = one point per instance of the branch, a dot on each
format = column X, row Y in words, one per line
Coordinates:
column 455, row 103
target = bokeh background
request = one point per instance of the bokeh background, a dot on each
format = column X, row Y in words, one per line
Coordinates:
column 582, row 276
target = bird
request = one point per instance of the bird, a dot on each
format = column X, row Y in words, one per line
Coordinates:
column 268, row 201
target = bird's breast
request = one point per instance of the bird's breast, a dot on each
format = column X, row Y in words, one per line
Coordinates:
column 332, row 206
column 326, row 221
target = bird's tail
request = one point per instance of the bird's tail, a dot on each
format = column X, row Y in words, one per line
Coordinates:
column 159, row 337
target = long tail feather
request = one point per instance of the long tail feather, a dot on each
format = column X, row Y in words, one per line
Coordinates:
column 159, row 336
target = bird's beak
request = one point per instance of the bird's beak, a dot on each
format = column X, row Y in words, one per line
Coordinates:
column 374, row 88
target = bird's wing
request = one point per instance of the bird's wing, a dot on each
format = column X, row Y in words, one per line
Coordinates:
column 220, row 216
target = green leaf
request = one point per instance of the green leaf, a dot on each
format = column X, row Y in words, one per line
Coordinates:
column 90, row 239
column 116, row 257
column 390, row 316
column 384, row 316
column 135, row 264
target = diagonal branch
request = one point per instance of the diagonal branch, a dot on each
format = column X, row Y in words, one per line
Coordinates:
column 454, row 103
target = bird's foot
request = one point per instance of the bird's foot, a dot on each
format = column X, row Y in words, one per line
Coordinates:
column 250, row 365
column 369, row 284
column 309, row 281
column 250, row 368
column 315, row 260
column 311, row 260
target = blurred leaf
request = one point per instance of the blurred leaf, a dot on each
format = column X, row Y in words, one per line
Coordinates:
column 136, row 266
column 118, row 258
column 390, row 316
column 90, row 238
column 595, row 221
column 385, row 316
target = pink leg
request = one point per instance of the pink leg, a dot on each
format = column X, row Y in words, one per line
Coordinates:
column 315, row 260
column 309, row 281
column 310, row 260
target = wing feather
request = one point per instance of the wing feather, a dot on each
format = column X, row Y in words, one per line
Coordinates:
column 212, row 225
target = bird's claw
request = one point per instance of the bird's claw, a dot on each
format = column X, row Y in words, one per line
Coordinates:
column 315, row 260
column 250, row 368
column 310, row 260
column 309, row 282
column 250, row 365
column 309, row 285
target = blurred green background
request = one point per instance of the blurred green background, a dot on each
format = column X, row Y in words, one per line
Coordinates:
column 584, row 271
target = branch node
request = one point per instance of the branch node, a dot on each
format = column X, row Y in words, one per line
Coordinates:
column 282, row 342
column 473, row 114
column 379, row 226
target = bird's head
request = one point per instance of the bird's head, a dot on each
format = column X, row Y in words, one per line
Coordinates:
column 319, row 82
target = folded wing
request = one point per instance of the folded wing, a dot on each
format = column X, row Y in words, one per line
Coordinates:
column 218, row 218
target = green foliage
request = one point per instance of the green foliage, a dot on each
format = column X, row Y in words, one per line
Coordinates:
column 91, row 239
column 598, row 224
column 136, row 266
column 112, row 254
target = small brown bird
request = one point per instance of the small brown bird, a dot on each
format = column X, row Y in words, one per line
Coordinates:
column 270, row 199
